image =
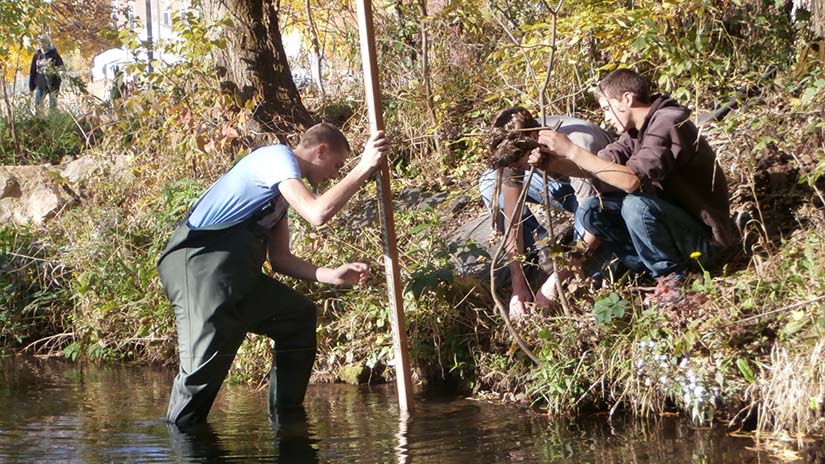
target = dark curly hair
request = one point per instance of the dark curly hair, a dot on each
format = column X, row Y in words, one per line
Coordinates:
column 506, row 142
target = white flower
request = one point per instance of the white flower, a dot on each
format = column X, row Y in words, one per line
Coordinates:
column 684, row 363
column 651, row 344
column 687, row 398
column 698, row 390
column 647, row 382
column 640, row 363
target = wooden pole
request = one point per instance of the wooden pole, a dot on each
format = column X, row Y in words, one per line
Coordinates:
column 373, row 99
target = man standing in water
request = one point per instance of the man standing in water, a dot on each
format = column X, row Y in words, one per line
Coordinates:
column 211, row 268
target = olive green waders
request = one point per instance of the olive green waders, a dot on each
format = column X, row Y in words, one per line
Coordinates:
column 214, row 281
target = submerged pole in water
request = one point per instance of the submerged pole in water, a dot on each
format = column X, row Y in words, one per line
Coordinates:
column 373, row 99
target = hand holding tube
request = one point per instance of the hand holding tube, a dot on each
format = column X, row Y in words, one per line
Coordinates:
column 557, row 143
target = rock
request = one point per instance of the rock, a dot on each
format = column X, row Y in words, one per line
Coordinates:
column 419, row 199
column 31, row 194
column 354, row 374
column 80, row 170
column 471, row 256
column 459, row 204
column 365, row 213
column 478, row 230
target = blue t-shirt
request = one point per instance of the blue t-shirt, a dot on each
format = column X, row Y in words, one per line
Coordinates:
column 246, row 189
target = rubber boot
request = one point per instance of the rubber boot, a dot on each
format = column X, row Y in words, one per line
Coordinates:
column 289, row 378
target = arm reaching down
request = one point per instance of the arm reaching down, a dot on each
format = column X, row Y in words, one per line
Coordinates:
column 515, row 247
column 284, row 262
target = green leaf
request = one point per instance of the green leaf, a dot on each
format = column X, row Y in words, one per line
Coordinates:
column 745, row 370
column 72, row 351
column 618, row 310
column 425, row 280
column 601, row 312
column 143, row 331
column 419, row 228
column 609, row 308
column 639, row 44
column 794, row 326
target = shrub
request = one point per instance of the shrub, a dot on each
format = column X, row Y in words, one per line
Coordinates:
column 42, row 140
column 34, row 297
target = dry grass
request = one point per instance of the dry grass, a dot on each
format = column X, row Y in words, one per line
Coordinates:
column 791, row 393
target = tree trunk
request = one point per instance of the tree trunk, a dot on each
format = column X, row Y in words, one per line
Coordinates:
column 254, row 64
column 317, row 57
column 818, row 16
column 425, row 60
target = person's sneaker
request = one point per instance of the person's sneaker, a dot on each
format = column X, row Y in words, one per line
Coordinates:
column 668, row 290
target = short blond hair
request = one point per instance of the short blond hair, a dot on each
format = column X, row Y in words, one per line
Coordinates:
column 325, row 133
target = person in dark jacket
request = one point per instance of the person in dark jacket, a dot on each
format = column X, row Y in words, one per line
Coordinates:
column 43, row 74
column 673, row 211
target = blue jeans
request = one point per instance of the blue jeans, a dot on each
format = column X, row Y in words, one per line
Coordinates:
column 562, row 196
column 39, row 94
column 648, row 233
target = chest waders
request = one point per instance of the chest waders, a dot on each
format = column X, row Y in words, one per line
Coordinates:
column 214, row 281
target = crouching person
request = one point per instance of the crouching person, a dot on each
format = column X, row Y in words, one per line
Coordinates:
column 673, row 199
column 211, row 268
column 510, row 146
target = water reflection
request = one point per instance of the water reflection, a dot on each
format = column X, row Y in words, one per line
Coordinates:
column 294, row 438
column 402, row 450
column 198, row 443
column 294, row 442
column 50, row 411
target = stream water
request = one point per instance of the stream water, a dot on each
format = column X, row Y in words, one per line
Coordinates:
column 50, row 411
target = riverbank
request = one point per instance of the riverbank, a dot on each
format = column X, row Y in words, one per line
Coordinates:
column 743, row 348
column 746, row 338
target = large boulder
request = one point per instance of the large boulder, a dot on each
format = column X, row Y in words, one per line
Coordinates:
column 32, row 194
column 86, row 169
column 473, row 247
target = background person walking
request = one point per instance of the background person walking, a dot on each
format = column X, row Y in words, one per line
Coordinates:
column 43, row 76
